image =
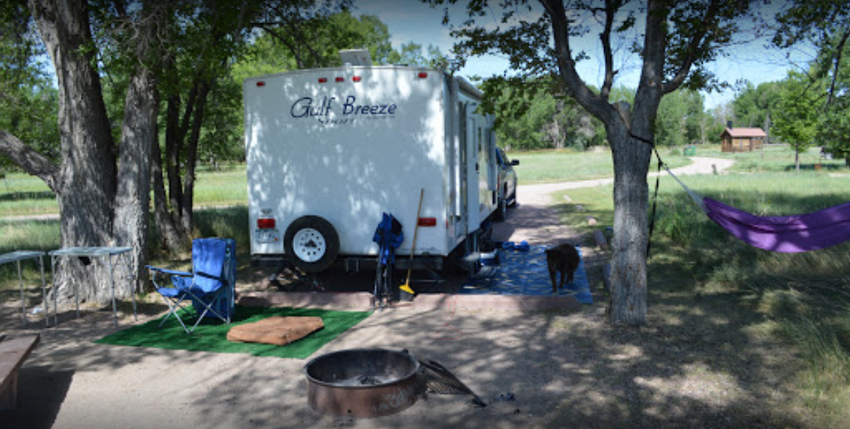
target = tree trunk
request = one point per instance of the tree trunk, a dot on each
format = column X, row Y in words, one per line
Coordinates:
column 192, row 156
column 631, row 139
column 132, row 203
column 87, row 176
column 170, row 237
column 797, row 158
column 628, row 263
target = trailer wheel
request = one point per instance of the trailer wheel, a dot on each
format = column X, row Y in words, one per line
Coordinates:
column 311, row 243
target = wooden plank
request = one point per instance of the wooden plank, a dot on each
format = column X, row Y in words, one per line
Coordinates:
column 13, row 352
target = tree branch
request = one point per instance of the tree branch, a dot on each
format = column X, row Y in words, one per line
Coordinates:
column 592, row 102
column 31, row 161
column 839, row 52
column 693, row 48
column 610, row 10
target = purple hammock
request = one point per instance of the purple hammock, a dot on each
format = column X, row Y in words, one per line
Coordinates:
column 787, row 234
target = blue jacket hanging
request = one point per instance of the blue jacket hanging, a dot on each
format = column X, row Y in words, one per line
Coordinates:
column 389, row 236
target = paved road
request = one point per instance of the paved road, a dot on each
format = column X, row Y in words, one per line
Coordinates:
column 539, row 194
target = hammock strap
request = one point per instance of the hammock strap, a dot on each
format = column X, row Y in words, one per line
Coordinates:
column 698, row 199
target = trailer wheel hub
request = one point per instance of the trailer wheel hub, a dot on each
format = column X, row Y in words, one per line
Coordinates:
column 309, row 245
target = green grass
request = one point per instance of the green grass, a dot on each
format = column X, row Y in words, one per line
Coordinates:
column 25, row 195
column 551, row 166
column 803, row 299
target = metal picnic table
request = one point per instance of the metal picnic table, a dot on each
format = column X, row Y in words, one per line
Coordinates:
column 109, row 254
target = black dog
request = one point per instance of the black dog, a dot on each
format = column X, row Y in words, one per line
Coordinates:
column 562, row 259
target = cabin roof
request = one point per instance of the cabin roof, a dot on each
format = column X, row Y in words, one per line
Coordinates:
column 744, row 132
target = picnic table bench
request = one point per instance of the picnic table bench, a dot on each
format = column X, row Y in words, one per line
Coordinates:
column 13, row 352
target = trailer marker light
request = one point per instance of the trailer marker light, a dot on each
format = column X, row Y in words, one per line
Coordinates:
column 266, row 223
column 340, row 79
column 323, row 79
column 423, row 75
column 261, row 83
column 355, row 79
column 427, row 221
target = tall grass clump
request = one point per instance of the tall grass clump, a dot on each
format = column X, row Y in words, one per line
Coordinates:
column 806, row 294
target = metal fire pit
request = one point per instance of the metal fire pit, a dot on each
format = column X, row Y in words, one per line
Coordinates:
column 363, row 382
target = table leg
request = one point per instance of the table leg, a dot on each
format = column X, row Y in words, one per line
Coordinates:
column 46, row 308
column 55, row 293
column 23, row 303
column 112, row 288
column 132, row 277
column 77, row 296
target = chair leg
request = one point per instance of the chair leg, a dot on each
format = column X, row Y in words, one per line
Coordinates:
column 207, row 309
column 173, row 306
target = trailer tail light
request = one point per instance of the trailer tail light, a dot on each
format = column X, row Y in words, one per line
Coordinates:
column 355, row 79
column 323, row 80
column 427, row 221
column 266, row 223
column 340, row 79
column 261, row 83
column 423, row 75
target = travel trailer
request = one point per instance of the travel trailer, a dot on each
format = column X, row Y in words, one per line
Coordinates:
column 330, row 150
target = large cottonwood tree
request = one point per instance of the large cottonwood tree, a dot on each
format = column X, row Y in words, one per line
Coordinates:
column 100, row 204
column 671, row 42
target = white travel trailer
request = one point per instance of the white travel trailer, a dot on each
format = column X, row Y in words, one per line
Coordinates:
column 329, row 150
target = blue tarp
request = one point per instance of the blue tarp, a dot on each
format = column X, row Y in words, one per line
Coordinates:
column 526, row 273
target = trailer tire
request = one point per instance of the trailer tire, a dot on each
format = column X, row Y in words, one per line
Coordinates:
column 512, row 199
column 501, row 211
column 311, row 243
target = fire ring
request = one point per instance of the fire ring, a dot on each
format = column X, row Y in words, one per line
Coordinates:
column 363, row 383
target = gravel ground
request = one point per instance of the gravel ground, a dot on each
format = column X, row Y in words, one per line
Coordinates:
column 565, row 368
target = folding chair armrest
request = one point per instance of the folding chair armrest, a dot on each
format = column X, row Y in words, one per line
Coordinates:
column 210, row 276
column 172, row 272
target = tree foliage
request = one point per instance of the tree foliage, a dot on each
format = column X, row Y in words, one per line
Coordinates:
column 681, row 119
column 825, row 25
column 531, row 115
column 28, row 100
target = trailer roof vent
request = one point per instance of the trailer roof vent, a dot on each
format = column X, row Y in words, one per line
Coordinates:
column 355, row 57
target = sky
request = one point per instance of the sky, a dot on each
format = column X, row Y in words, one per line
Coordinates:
column 412, row 21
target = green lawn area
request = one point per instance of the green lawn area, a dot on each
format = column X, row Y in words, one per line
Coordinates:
column 551, row 166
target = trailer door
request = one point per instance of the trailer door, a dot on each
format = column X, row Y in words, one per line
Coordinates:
column 457, row 154
column 473, row 205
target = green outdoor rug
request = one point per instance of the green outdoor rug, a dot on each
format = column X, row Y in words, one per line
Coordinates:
column 211, row 335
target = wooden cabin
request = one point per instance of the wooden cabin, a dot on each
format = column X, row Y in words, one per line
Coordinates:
column 742, row 139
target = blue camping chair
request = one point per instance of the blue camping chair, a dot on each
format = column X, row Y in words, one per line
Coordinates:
column 210, row 285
